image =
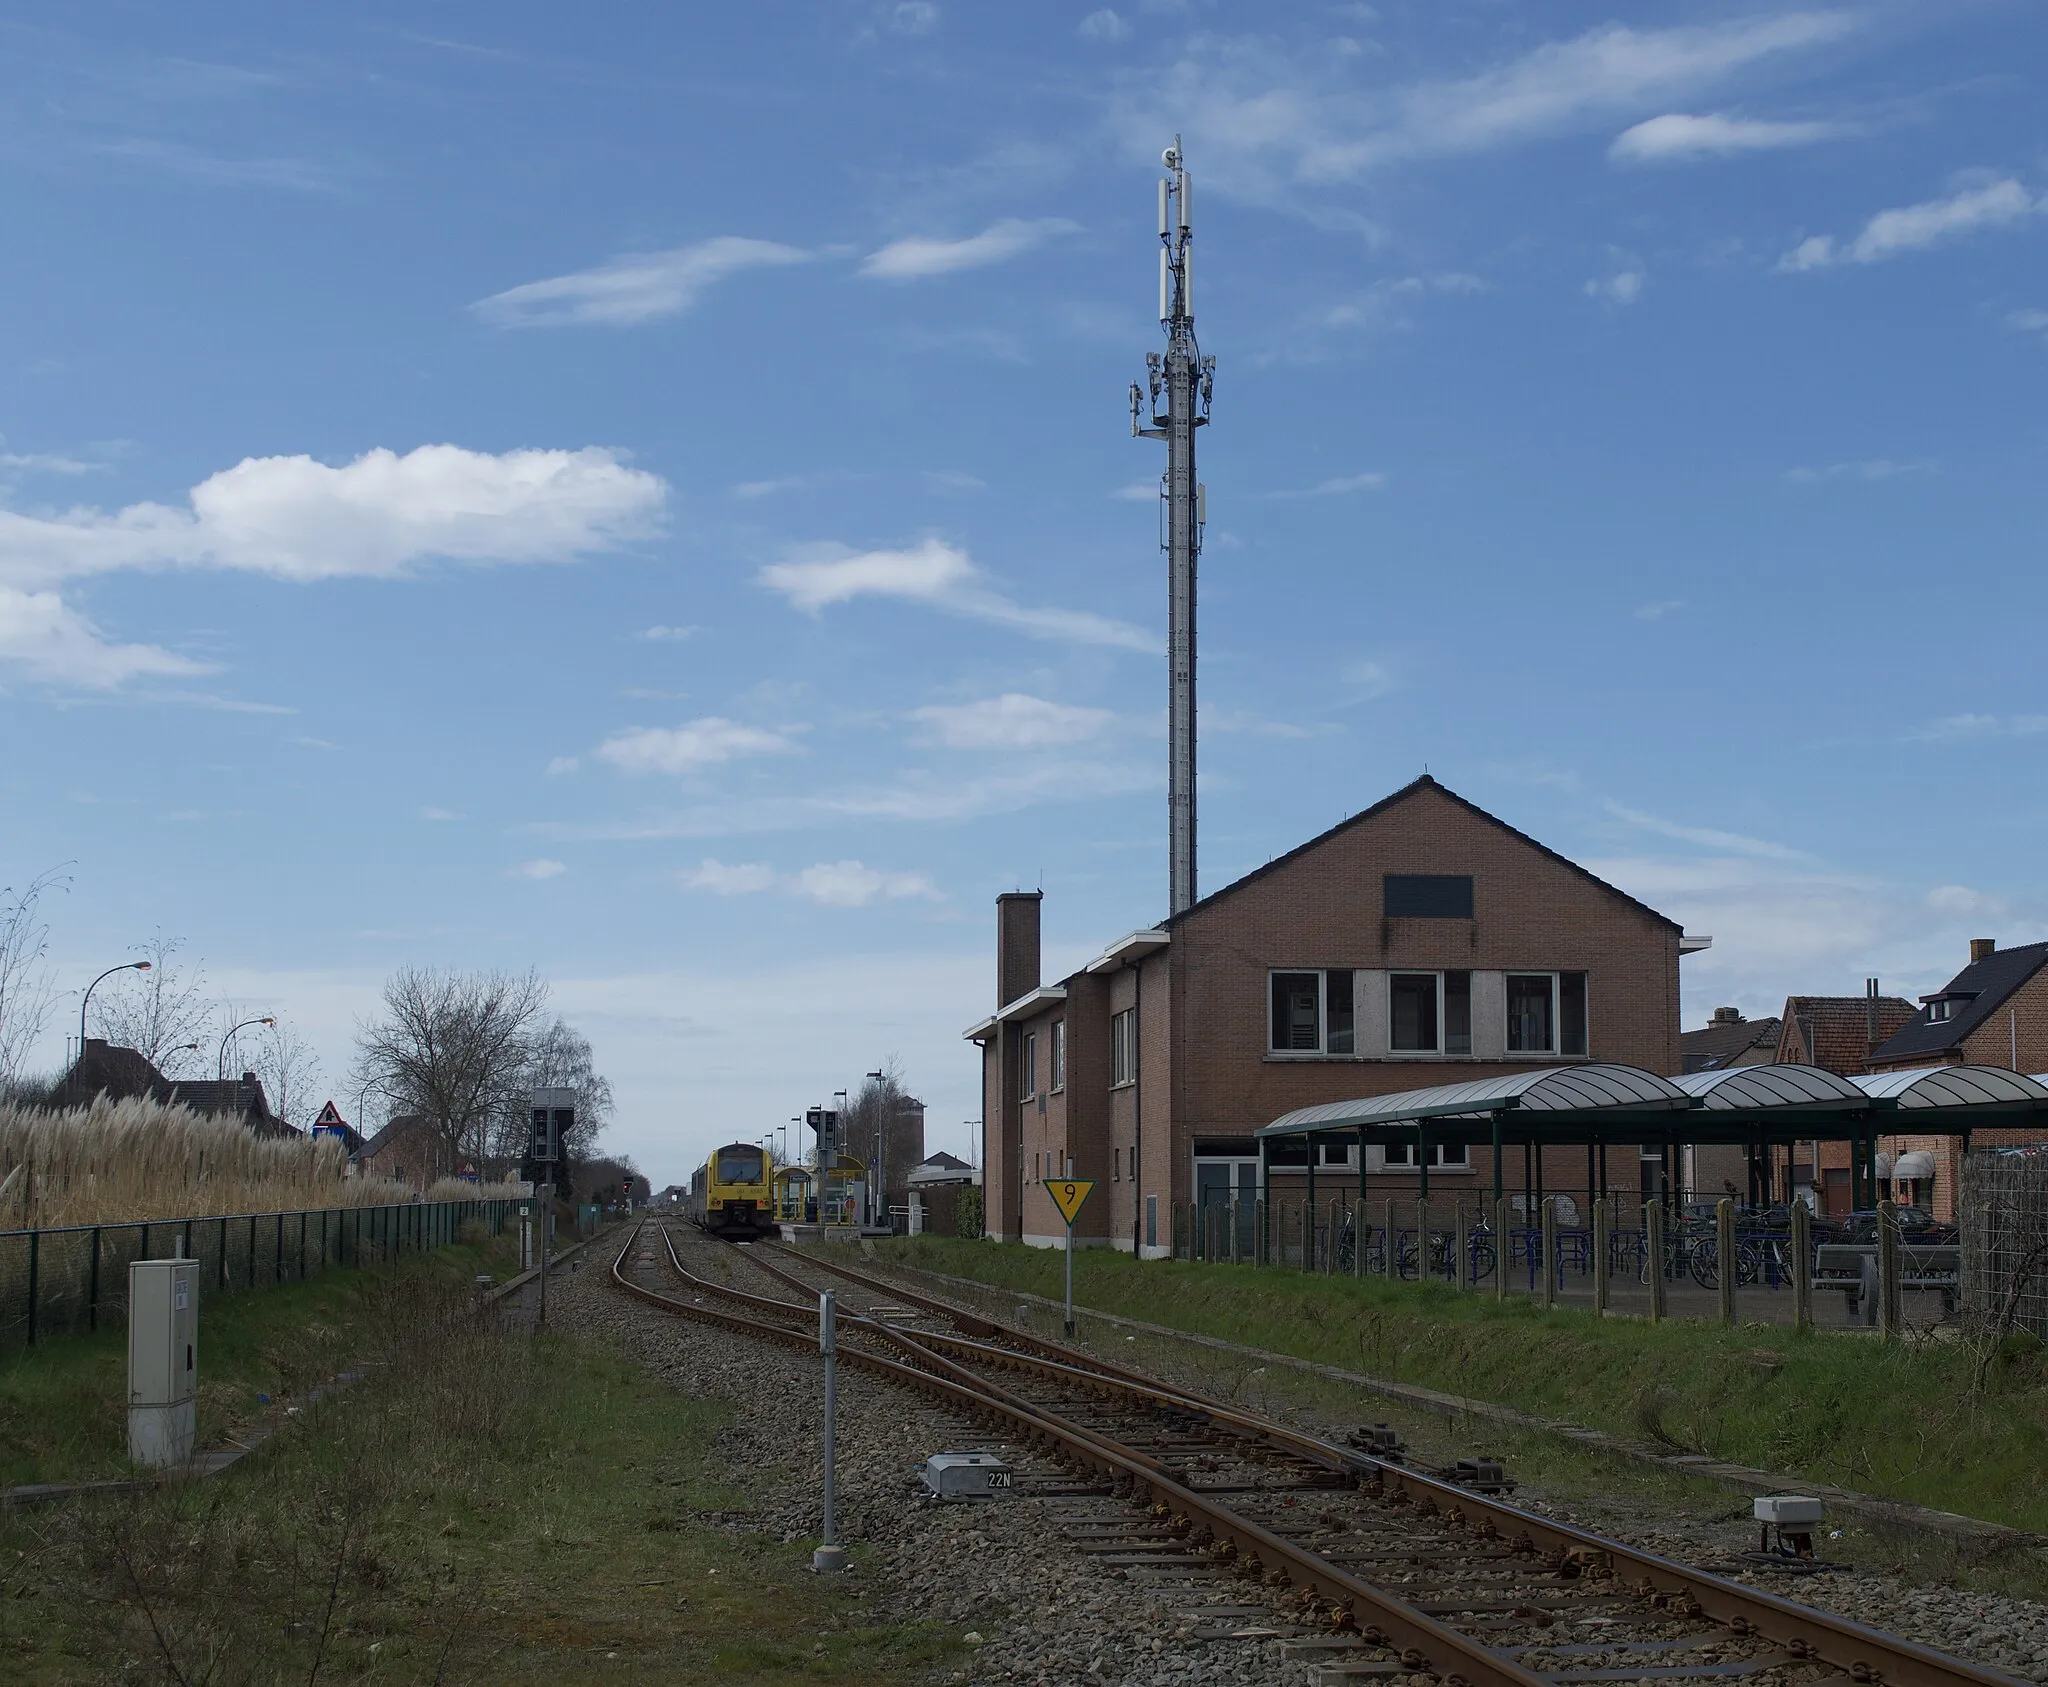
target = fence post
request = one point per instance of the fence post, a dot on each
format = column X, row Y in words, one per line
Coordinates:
column 1387, row 1263
column 1653, row 1256
column 35, row 1238
column 1603, row 1264
column 1889, row 1309
column 1549, row 1245
column 1330, row 1247
column 1461, row 1266
column 1502, row 1248
column 1802, row 1267
column 223, row 1253
column 1724, row 1257
column 92, row 1311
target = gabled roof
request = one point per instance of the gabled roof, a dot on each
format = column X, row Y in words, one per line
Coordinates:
column 1835, row 1032
column 1725, row 1041
column 1975, row 994
column 1415, row 788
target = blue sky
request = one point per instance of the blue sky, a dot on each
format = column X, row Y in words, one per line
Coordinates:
column 645, row 492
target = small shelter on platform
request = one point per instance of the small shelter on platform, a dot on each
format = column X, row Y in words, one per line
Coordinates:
column 1600, row 1106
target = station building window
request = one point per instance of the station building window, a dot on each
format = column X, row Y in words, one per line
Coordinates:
column 1400, row 1154
column 1027, row 1066
column 1123, row 1048
column 1058, row 1051
column 1311, row 1013
column 1546, row 1013
column 1429, row 1013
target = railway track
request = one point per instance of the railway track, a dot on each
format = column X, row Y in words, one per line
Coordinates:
column 1398, row 1572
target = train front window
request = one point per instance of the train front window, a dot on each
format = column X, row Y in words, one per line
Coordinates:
column 741, row 1165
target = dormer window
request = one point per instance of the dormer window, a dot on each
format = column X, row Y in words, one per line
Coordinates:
column 1938, row 1009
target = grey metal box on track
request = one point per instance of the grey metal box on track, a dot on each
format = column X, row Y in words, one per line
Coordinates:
column 966, row 1476
column 1788, row 1511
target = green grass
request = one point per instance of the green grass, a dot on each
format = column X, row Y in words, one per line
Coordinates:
column 482, row 1506
column 63, row 1407
column 1903, row 1420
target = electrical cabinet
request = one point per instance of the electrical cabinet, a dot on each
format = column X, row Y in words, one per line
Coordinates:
column 163, row 1360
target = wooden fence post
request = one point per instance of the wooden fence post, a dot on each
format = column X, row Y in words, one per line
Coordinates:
column 1802, row 1267
column 1603, row 1247
column 1724, row 1257
column 1653, row 1256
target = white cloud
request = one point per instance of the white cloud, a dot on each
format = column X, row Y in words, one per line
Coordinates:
column 1734, row 843
column 1657, row 611
column 1013, row 721
column 295, row 518
column 439, row 814
column 1369, row 679
column 541, row 869
column 1104, row 25
column 918, row 256
column 832, row 884
column 2028, row 322
column 740, row 880
column 1950, row 729
column 667, row 635
column 1271, row 121
column 44, row 462
column 849, row 884
column 1622, row 288
column 558, row 765
column 1869, row 468
column 1335, row 488
column 914, row 17
column 942, row 576
column 705, row 742
column 1678, row 138
column 634, row 289
column 1138, row 492
column 49, row 640
column 1961, row 899
column 767, row 488
column 1913, row 228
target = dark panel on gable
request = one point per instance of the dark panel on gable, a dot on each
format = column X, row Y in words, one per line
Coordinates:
column 1429, row 896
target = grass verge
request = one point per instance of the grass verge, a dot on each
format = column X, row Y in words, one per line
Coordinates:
column 1906, row 1420
column 483, row 1505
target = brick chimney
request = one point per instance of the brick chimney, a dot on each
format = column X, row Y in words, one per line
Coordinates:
column 1727, row 1016
column 1982, row 948
column 1016, row 944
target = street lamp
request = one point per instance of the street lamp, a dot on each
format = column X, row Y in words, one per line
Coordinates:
column 220, row 1063
column 165, row 1054
column 125, row 966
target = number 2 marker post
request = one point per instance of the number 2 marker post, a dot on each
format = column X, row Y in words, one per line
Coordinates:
column 1067, row 1194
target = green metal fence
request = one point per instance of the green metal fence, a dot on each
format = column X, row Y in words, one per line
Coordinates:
column 54, row 1282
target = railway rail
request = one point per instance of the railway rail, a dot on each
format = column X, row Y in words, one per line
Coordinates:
column 1472, row 1590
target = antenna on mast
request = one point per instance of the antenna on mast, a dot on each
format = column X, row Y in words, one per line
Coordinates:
column 1187, row 379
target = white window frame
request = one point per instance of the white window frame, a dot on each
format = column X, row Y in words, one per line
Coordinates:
column 1346, row 1156
column 1439, row 1156
column 1939, row 1012
column 1414, row 972
column 1322, row 1050
column 1123, row 1049
column 1058, row 1051
column 1556, row 1011
column 1027, row 1066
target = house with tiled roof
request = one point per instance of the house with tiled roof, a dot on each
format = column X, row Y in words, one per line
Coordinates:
column 1728, row 1039
column 1839, row 1033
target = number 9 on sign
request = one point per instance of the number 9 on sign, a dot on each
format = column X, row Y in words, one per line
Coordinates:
column 1067, row 1194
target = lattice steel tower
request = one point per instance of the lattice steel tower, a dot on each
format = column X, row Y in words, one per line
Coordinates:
column 1186, row 377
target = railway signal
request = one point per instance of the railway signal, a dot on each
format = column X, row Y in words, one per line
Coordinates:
column 551, row 1117
column 1067, row 1195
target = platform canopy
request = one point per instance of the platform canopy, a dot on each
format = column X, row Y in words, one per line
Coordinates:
column 1595, row 1103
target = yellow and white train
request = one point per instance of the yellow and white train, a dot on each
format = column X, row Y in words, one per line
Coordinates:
column 731, row 1193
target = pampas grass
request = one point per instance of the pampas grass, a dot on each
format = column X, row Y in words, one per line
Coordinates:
column 121, row 1161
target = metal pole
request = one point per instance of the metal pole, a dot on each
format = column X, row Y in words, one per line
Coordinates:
column 1653, row 1253
column 547, row 1230
column 1070, row 1281
column 1603, row 1274
column 1549, row 1244
column 1802, row 1266
column 1500, row 1247
column 1888, row 1308
column 1724, row 1257
column 1461, row 1268
column 830, row 1555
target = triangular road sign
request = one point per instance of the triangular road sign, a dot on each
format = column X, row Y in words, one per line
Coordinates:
column 1068, row 1193
column 330, row 1115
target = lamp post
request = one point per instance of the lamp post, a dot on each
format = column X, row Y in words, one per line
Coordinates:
column 220, row 1062
column 878, row 1159
column 182, row 1048
column 125, row 966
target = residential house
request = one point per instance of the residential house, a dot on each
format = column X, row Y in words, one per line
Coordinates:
column 408, row 1150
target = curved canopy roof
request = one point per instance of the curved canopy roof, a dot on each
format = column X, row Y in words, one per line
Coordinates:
column 1749, row 1088
column 1547, row 1089
column 1952, row 1086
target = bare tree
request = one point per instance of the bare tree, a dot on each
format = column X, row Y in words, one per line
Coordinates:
column 160, row 1012
column 558, row 1056
column 27, row 989
column 289, row 1070
column 454, row 1048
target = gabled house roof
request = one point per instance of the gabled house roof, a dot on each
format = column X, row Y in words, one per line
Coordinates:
column 1973, row 996
column 1412, row 789
column 1724, row 1042
column 1837, row 1032
column 239, row 1098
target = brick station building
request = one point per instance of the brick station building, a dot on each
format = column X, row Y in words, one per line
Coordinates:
column 1420, row 942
